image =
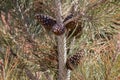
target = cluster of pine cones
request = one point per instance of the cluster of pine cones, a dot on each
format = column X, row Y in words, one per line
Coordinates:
column 71, row 28
column 50, row 24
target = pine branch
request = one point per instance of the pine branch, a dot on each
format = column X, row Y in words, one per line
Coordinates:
column 62, row 56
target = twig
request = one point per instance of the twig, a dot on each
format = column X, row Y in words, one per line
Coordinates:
column 30, row 75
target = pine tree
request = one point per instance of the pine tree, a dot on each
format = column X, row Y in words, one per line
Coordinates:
column 72, row 39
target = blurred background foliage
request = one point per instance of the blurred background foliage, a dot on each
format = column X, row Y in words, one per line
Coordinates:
column 27, row 51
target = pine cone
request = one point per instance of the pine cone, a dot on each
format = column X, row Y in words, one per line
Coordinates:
column 74, row 60
column 56, row 29
column 72, row 27
column 45, row 20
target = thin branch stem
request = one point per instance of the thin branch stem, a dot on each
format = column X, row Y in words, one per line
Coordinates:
column 62, row 52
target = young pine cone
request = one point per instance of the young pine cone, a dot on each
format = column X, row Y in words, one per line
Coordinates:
column 74, row 60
